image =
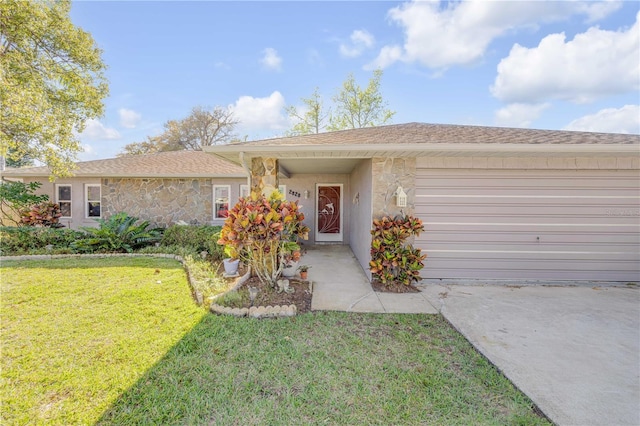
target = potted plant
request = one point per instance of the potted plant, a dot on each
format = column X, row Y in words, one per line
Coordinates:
column 231, row 262
column 290, row 258
column 303, row 271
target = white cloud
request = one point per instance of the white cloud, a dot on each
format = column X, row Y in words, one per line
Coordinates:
column 95, row 130
column 595, row 63
column 260, row 114
column 610, row 120
column 519, row 115
column 271, row 60
column 129, row 118
column 360, row 41
column 459, row 33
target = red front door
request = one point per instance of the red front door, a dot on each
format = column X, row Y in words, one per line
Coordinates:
column 329, row 212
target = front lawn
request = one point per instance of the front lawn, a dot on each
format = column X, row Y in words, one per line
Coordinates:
column 119, row 341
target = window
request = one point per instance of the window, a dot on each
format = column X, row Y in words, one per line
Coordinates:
column 244, row 190
column 63, row 199
column 221, row 195
column 92, row 200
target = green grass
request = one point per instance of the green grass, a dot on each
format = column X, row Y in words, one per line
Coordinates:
column 98, row 340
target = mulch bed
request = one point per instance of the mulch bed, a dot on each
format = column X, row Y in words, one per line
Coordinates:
column 393, row 287
column 267, row 295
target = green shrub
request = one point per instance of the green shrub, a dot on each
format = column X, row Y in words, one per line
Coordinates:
column 120, row 233
column 197, row 238
column 37, row 240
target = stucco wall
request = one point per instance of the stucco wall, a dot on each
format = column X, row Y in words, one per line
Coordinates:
column 387, row 175
column 360, row 206
column 165, row 201
column 78, row 209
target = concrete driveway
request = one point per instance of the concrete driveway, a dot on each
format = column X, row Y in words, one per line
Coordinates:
column 575, row 351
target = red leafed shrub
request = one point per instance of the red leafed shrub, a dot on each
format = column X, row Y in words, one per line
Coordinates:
column 45, row 214
column 263, row 233
column 392, row 259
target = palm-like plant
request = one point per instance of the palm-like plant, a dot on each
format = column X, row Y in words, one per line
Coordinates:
column 118, row 233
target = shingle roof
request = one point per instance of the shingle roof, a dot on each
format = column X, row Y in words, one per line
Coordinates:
column 416, row 133
column 163, row 164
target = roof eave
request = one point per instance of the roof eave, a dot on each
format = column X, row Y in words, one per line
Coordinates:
column 233, row 154
column 132, row 176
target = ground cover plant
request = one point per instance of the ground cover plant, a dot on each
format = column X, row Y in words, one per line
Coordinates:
column 120, row 341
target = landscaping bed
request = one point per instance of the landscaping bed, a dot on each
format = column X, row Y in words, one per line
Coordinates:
column 269, row 296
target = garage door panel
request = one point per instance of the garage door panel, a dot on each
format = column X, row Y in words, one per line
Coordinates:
column 607, row 202
column 487, row 237
column 531, row 219
column 524, row 210
column 523, row 255
column 529, row 178
column 486, row 224
column 535, row 274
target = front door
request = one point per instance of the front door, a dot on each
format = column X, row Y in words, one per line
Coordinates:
column 329, row 212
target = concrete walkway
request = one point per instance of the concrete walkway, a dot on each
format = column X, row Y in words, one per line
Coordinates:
column 575, row 351
column 339, row 284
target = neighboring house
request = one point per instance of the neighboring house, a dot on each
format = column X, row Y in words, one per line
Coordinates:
column 164, row 188
column 497, row 203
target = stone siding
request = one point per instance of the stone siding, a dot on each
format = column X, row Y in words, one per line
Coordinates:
column 388, row 174
column 161, row 201
column 264, row 175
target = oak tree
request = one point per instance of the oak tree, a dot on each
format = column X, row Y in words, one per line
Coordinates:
column 51, row 82
column 203, row 127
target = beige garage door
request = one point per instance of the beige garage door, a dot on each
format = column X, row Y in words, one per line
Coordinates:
column 530, row 224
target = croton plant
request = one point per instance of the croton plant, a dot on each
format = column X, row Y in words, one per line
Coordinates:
column 264, row 233
column 393, row 260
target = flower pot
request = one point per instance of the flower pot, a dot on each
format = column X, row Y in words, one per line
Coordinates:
column 304, row 275
column 231, row 266
column 289, row 271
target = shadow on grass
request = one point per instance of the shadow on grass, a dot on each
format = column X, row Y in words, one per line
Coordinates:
column 322, row 368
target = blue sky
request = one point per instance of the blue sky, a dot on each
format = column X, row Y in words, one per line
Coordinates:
column 549, row 65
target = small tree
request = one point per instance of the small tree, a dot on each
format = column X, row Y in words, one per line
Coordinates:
column 311, row 118
column 356, row 107
column 263, row 233
column 15, row 197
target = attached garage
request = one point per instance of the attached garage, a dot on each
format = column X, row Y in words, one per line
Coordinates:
column 529, row 223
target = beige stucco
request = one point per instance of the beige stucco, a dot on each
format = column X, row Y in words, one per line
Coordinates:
column 360, row 206
column 78, row 209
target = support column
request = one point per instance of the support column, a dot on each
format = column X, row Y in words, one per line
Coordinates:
column 388, row 174
column 264, row 175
